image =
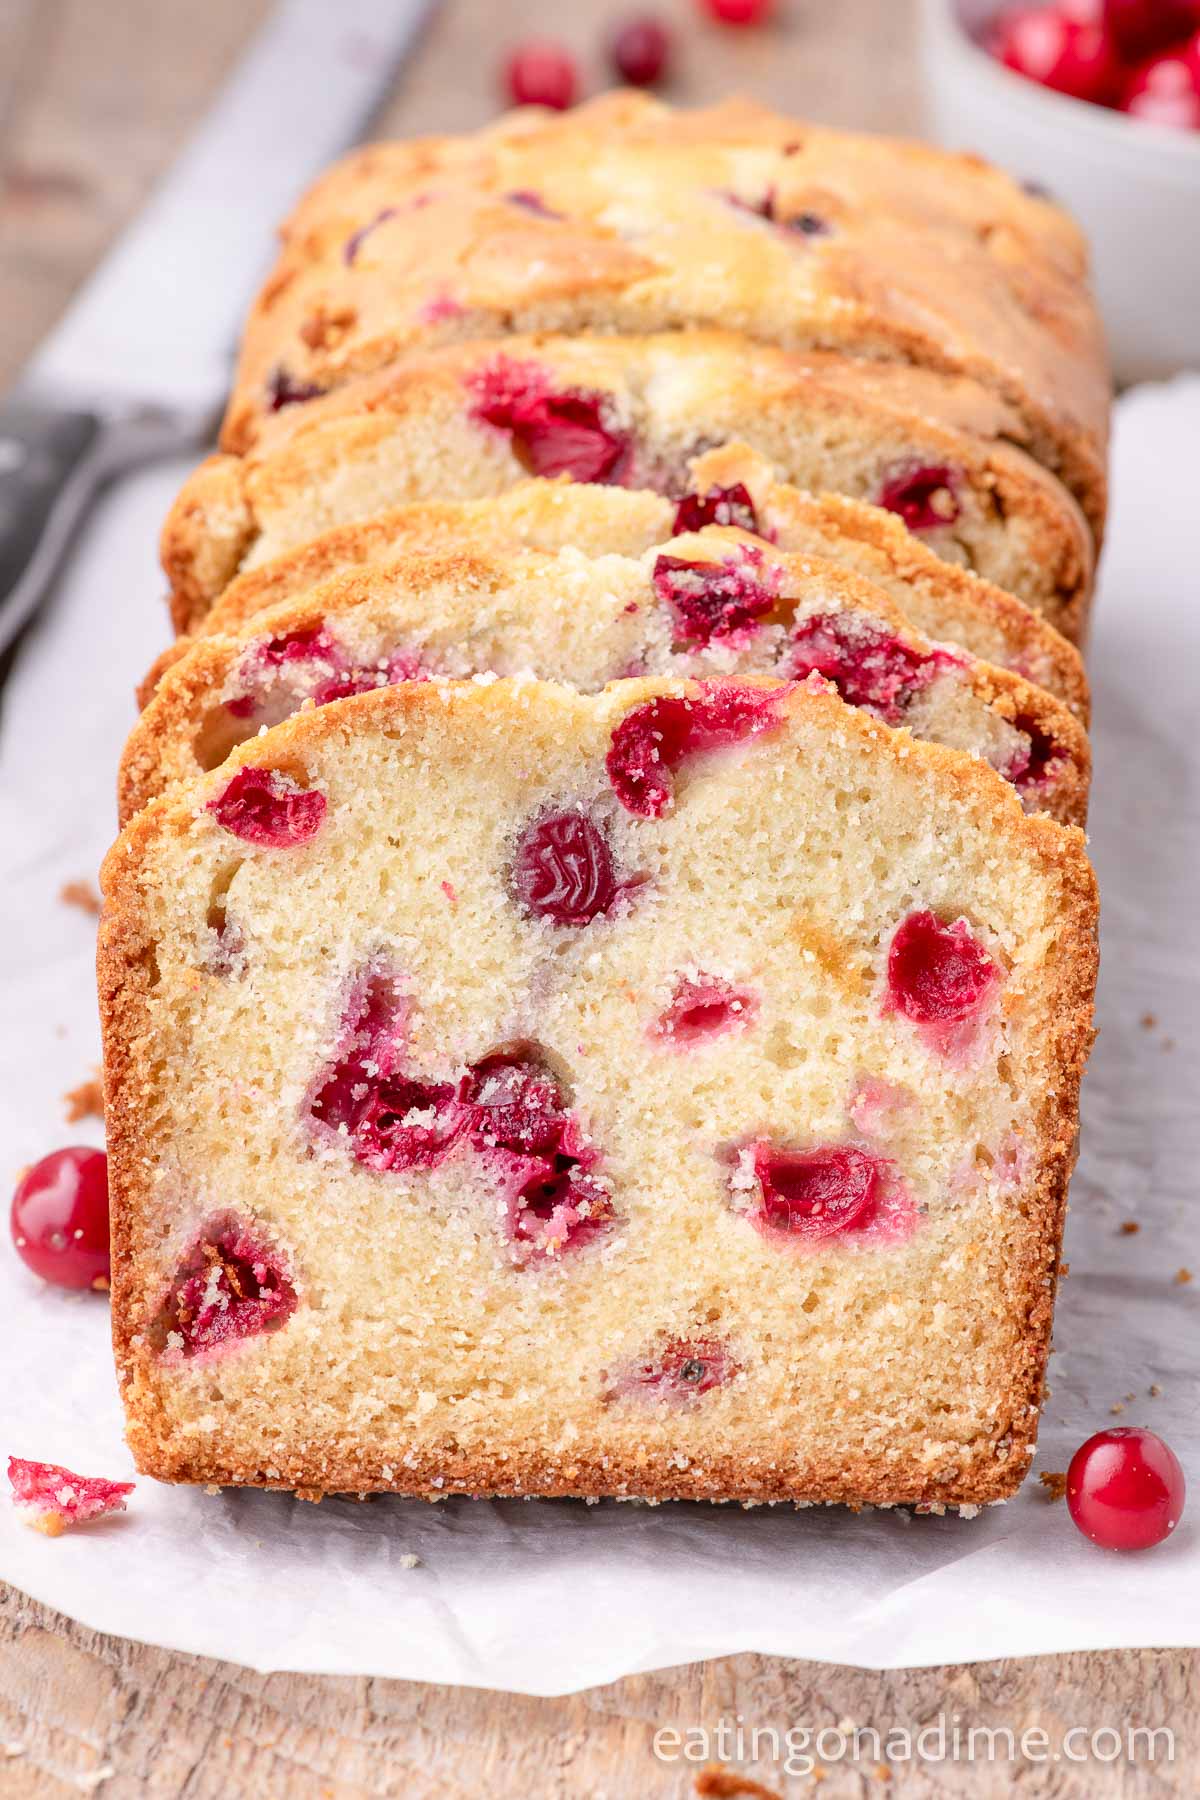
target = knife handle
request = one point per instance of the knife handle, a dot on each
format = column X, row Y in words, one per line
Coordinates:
column 48, row 472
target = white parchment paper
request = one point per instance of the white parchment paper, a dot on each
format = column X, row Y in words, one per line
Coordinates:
column 545, row 1597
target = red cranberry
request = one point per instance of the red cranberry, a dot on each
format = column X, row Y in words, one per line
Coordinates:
column 230, row 1285
column 283, row 389
column 683, row 1370
column 563, row 870
column 541, row 73
column 714, row 600
column 704, row 1006
column 640, row 52
column 817, row 1193
column 60, row 1218
column 558, row 1209
column 720, row 506
column 1164, row 91
column 653, row 740
column 514, row 1103
column 261, row 806
column 553, row 434
column 866, row 664
column 923, row 494
column 52, row 1497
column 1038, row 760
column 1125, row 1489
column 1067, row 50
column 739, row 12
column 938, row 974
column 406, row 1124
column 312, row 644
column 1139, row 28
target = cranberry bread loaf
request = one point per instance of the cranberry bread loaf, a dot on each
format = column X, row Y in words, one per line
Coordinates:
column 667, row 1092
column 940, row 451
column 714, row 603
column 626, row 216
column 732, row 485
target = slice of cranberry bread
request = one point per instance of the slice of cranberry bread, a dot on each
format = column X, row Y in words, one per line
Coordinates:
column 714, row 603
column 940, row 452
column 666, row 1092
column 625, row 216
column 730, row 486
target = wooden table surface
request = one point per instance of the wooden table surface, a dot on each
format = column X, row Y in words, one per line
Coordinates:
column 95, row 98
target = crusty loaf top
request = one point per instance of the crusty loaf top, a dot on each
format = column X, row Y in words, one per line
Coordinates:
column 626, row 215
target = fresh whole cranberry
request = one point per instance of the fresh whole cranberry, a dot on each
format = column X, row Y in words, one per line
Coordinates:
column 230, row 1285
column 263, row 807
column 739, row 12
column 817, row 1193
column 938, row 974
column 868, row 666
column 60, row 1218
column 653, row 740
column 923, row 494
column 541, row 73
column 641, row 51
column 1060, row 47
column 714, row 600
column 563, row 870
column 1165, row 91
column 1139, row 28
column 720, row 506
column 1125, row 1489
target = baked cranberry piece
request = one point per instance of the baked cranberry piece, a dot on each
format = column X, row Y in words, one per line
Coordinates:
column 406, row 1124
column 1125, row 1489
column 389, row 1119
column 652, row 741
column 819, row 1193
column 679, row 1374
column 641, row 51
column 284, row 389
column 262, row 806
column 49, row 1497
column 533, row 203
column 715, row 600
column 519, row 1119
column 804, row 223
column 720, row 506
column 311, row 644
column 356, row 240
column 704, row 1006
column 541, row 73
column 938, row 974
column 231, row 1284
column 59, row 1218
column 553, row 434
column 868, row 666
column 1038, row 761
column 923, row 494
column 739, row 12
column 563, row 870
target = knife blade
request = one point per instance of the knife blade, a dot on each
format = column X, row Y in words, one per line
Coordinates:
column 138, row 366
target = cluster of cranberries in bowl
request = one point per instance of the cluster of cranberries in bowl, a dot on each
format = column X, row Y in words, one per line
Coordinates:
column 1141, row 57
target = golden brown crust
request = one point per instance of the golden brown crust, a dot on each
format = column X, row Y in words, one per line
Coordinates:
column 918, row 257
column 987, row 1469
column 823, row 421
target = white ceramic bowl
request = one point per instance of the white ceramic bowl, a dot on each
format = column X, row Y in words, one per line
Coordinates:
column 1134, row 187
